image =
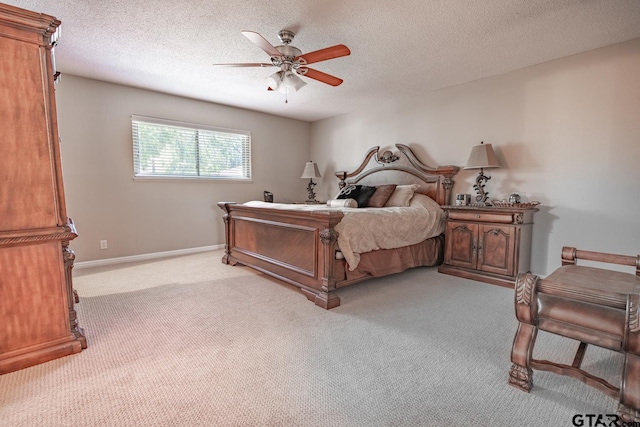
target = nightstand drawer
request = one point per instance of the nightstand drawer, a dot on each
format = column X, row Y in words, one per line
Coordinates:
column 502, row 218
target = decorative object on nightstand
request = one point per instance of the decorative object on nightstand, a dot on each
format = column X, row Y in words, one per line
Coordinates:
column 311, row 171
column 482, row 157
column 488, row 243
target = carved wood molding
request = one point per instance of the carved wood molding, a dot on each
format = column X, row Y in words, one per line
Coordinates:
column 634, row 316
column 519, row 218
column 387, row 157
column 521, row 377
column 29, row 21
column 525, row 288
column 18, row 240
column 328, row 236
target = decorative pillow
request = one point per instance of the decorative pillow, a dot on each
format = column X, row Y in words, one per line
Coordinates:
column 360, row 193
column 342, row 203
column 402, row 195
column 381, row 195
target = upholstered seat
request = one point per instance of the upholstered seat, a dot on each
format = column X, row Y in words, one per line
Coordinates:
column 585, row 322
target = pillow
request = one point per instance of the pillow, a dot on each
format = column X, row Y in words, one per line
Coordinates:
column 402, row 195
column 360, row 193
column 381, row 195
column 342, row 203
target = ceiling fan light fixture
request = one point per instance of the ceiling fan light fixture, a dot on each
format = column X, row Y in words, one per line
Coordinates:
column 274, row 81
column 291, row 81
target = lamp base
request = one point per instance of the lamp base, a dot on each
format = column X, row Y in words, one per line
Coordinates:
column 312, row 195
column 481, row 198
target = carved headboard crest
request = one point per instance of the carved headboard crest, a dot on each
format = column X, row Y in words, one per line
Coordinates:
column 387, row 157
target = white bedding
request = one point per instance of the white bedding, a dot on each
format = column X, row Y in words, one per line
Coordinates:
column 366, row 229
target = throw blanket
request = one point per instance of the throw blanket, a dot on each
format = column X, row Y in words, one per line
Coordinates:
column 367, row 229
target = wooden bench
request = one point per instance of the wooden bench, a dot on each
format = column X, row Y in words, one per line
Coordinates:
column 591, row 305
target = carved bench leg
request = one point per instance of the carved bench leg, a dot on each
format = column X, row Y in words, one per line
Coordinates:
column 520, row 373
column 629, row 407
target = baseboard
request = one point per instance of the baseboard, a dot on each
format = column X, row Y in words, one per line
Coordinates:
column 145, row 257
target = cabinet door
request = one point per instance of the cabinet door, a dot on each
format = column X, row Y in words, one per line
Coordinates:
column 496, row 249
column 461, row 244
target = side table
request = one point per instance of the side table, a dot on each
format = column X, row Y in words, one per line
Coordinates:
column 486, row 243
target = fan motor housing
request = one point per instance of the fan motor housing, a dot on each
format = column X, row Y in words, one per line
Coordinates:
column 289, row 51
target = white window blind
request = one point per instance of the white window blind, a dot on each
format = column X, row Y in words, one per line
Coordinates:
column 171, row 149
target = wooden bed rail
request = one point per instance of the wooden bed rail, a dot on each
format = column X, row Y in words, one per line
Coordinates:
column 571, row 255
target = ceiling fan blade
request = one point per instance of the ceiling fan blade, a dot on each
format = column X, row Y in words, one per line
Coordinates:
column 319, row 76
column 327, row 53
column 245, row 64
column 262, row 43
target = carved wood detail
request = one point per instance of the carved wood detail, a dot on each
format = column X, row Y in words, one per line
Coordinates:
column 328, row 236
column 525, row 287
column 521, row 377
column 634, row 316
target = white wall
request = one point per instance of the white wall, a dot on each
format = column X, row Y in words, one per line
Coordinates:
column 567, row 134
column 140, row 217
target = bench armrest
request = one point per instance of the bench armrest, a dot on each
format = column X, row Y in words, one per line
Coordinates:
column 571, row 255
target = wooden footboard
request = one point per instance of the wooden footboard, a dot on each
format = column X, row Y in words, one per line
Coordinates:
column 297, row 247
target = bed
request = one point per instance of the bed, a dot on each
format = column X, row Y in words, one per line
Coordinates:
column 300, row 244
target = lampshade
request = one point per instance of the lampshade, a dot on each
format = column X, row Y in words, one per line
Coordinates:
column 310, row 170
column 282, row 81
column 482, row 156
column 274, row 80
column 291, row 81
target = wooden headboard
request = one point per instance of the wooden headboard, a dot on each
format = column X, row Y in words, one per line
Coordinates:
column 402, row 168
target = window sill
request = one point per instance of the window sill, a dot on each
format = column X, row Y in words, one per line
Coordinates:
column 193, row 179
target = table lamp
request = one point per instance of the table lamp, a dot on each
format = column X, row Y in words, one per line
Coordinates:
column 311, row 171
column 482, row 156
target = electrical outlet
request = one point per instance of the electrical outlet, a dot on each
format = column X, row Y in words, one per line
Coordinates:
column 103, row 244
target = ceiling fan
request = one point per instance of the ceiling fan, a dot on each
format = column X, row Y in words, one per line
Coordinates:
column 291, row 61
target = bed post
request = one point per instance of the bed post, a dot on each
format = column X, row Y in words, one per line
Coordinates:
column 226, row 258
column 326, row 298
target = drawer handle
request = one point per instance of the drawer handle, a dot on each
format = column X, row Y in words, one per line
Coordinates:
column 477, row 215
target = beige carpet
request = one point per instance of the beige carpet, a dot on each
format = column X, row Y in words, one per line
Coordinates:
column 189, row 341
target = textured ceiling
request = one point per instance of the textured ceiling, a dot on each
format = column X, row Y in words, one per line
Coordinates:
column 399, row 48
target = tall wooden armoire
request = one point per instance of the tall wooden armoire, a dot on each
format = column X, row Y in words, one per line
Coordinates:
column 37, row 314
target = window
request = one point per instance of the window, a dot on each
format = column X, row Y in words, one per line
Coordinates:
column 170, row 149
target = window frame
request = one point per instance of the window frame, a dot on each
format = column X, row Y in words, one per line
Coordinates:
column 247, row 164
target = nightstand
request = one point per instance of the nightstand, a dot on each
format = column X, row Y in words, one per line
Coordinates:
column 486, row 243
